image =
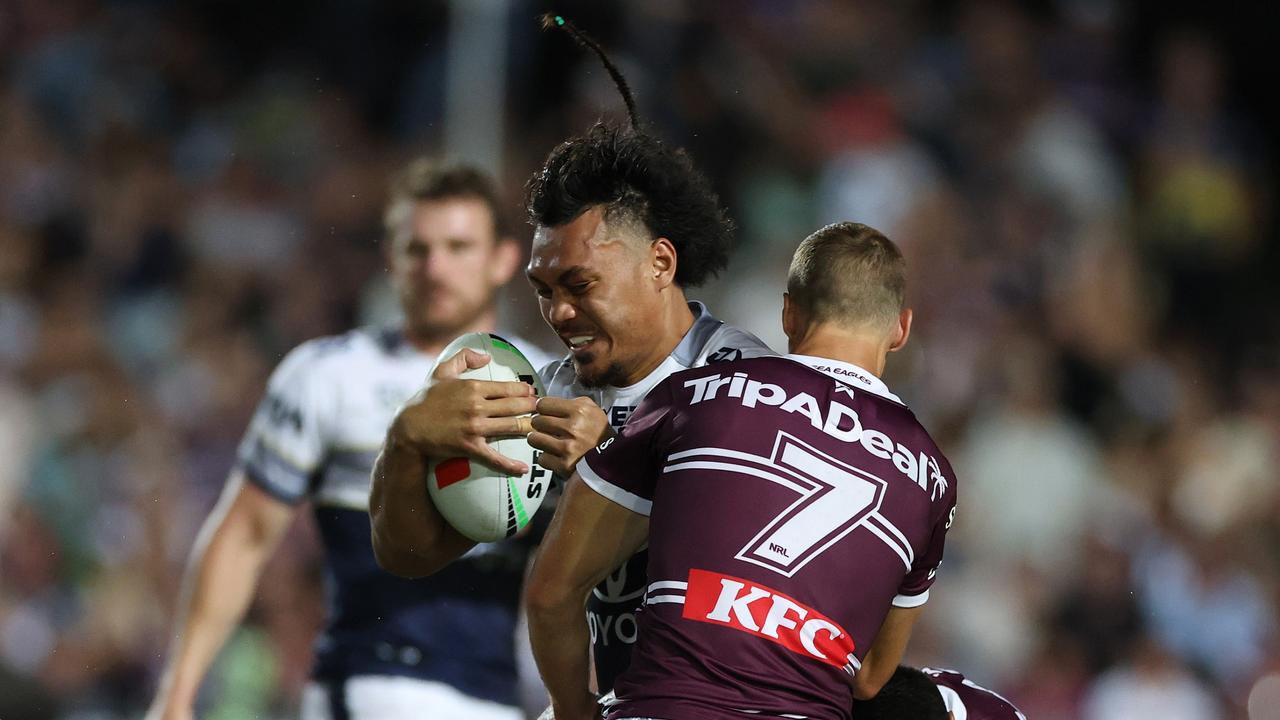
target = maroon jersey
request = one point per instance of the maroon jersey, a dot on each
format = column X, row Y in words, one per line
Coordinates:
column 791, row 502
column 966, row 700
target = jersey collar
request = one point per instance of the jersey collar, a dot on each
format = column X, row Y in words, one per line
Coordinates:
column 704, row 326
column 847, row 373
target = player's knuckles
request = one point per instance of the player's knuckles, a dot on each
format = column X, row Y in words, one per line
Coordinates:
column 584, row 408
column 473, row 405
column 472, row 424
column 584, row 432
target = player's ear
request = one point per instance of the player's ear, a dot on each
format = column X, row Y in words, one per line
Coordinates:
column 506, row 258
column 901, row 331
column 795, row 321
column 662, row 256
column 789, row 319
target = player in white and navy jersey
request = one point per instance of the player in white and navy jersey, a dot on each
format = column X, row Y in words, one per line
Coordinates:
column 623, row 225
column 392, row 648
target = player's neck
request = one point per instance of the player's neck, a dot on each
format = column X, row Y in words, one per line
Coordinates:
column 671, row 326
column 431, row 342
column 864, row 350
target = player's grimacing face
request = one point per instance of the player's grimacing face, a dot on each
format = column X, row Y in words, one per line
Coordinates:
column 592, row 291
column 447, row 263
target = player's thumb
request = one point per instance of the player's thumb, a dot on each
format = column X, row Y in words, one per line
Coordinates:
column 465, row 359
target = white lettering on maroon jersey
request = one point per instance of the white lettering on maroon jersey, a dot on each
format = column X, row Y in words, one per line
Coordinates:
column 839, row 421
column 759, row 610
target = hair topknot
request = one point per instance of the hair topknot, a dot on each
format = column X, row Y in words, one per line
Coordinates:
column 551, row 21
column 637, row 178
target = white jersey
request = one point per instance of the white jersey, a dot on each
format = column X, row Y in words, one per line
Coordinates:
column 612, row 605
column 315, row 437
column 328, row 405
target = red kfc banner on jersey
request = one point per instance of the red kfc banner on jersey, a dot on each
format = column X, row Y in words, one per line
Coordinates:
column 764, row 612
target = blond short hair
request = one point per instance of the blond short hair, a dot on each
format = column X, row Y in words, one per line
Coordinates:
column 425, row 179
column 849, row 274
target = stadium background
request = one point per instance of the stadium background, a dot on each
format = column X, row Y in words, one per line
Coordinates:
column 1084, row 190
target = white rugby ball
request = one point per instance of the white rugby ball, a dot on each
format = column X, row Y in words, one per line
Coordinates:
column 480, row 502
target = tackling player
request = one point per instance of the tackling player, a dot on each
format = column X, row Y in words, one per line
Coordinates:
column 623, row 224
column 391, row 647
column 795, row 512
column 928, row 694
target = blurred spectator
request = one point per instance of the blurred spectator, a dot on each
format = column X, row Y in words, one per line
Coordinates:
column 1203, row 608
column 1101, row 614
column 1151, row 685
column 1034, row 478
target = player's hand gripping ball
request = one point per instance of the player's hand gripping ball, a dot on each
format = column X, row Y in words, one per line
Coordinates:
column 481, row 502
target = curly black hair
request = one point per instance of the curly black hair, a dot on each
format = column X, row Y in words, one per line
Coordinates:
column 908, row 694
column 637, row 179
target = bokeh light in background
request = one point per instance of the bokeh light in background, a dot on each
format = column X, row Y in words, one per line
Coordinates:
column 1085, row 191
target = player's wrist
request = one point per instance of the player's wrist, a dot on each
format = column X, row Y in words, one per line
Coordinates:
column 581, row 707
column 408, row 434
column 172, row 702
column 183, row 685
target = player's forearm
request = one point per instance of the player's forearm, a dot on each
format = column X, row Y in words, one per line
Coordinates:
column 886, row 652
column 410, row 538
column 870, row 678
column 218, row 588
column 559, row 638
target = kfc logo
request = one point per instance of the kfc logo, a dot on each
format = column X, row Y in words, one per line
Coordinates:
column 761, row 611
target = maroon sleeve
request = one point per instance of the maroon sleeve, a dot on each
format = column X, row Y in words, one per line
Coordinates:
column 625, row 467
column 914, row 589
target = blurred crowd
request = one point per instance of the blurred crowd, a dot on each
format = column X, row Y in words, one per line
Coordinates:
column 189, row 189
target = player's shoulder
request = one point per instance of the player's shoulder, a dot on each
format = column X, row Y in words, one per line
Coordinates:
column 943, row 675
column 336, row 354
column 558, row 375
column 731, row 343
column 993, row 704
column 711, row 340
column 761, row 367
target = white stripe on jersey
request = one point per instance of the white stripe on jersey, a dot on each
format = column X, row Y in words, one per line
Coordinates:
column 743, row 469
column 668, row 585
column 766, row 469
